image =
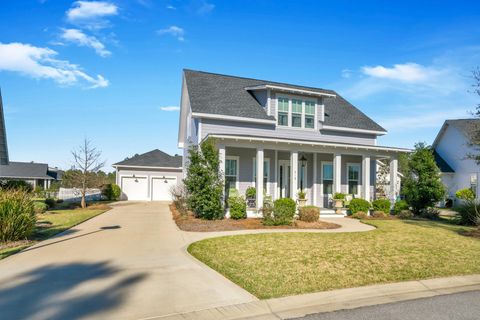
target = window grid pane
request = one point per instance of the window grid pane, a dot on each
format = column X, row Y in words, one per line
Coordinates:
column 296, row 121
column 328, row 172
column 282, row 104
column 231, row 167
column 296, row 106
column 353, row 173
column 309, row 122
column 309, row 107
column 283, row 119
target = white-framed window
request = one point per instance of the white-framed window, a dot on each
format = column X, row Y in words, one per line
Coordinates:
column 353, row 177
column 296, row 112
column 327, row 177
column 283, row 110
column 473, row 183
column 266, row 174
column 232, row 164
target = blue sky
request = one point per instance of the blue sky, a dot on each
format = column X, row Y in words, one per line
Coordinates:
column 111, row 70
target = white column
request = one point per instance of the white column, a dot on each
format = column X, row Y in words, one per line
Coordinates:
column 45, row 184
column 259, row 182
column 314, row 198
column 275, row 177
column 293, row 174
column 393, row 179
column 366, row 177
column 337, row 173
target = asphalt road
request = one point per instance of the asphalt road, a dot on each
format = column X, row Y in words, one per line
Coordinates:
column 465, row 305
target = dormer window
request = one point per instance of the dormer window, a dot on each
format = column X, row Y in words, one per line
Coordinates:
column 296, row 113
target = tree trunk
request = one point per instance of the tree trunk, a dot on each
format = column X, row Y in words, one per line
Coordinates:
column 83, row 202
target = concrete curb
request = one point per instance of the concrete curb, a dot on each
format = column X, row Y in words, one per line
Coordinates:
column 301, row 305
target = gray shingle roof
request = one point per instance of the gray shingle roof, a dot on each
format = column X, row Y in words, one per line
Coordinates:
column 25, row 170
column 442, row 164
column 154, row 158
column 469, row 127
column 226, row 95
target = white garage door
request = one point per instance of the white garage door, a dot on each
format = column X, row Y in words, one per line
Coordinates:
column 161, row 188
column 135, row 188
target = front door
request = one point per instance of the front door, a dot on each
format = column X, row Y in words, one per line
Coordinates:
column 284, row 178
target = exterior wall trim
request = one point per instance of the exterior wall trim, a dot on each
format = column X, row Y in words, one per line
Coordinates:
column 290, row 89
column 334, row 128
column 145, row 167
column 232, row 118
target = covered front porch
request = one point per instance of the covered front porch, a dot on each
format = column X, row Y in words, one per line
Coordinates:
column 280, row 169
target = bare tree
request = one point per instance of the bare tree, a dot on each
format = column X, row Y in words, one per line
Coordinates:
column 475, row 139
column 87, row 162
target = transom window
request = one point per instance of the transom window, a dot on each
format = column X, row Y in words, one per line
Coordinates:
column 353, row 171
column 296, row 113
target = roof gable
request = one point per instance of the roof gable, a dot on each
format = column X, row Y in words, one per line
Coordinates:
column 219, row 94
column 154, row 158
column 468, row 127
column 24, row 170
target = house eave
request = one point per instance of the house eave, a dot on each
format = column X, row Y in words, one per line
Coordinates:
column 345, row 129
column 116, row 166
column 232, row 118
column 291, row 90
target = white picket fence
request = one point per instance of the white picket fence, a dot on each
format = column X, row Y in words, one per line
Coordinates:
column 74, row 194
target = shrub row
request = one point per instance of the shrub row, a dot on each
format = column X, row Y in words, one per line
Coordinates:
column 281, row 213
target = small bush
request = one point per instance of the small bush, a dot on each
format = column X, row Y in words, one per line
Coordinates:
column 238, row 207
column 251, row 193
column 309, row 213
column 267, row 211
column 359, row 215
column 50, row 202
column 379, row 214
column 179, row 198
column 400, row 206
column 469, row 213
column 40, row 207
column 283, row 212
column 339, row 196
column 405, row 214
column 302, row 195
column 430, row 213
column 17, row 185
column 17, row 217
column 111, row 191
column 381, row 205
column 465, row 194
column 358, row 204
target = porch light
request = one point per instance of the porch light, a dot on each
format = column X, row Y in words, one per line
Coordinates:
column 303, row 161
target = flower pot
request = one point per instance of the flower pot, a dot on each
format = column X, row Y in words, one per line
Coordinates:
column 338, row 205
column 302, row 202
column 251, row 202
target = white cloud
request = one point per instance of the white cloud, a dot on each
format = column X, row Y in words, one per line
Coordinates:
column 346, row 73
column 40, row 63
column 91, row 14
column 170, row 108
column 428, row 119
column 81, row 39
column 408, row 72
column 170, row 7
column 174, row 31
column 204, row 7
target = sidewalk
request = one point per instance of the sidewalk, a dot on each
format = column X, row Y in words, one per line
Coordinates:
column 301, row 305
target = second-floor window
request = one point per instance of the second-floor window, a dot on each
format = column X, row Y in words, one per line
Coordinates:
column 296, row 113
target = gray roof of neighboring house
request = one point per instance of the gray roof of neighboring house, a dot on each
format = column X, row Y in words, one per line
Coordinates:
column 442, row 164
column 154, row 158
column 469, row 127
column 25, row 170
column 3, row 136
column 226, row 95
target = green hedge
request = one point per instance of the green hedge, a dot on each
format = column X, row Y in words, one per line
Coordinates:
column 238, row 207
column 309, row 213
column 283, row 212
column 381, row 205
column 358, row 204
column 17, row 216
column 400, row 206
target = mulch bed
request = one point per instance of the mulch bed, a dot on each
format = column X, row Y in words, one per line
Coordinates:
column 190, row 223
column 474, row 233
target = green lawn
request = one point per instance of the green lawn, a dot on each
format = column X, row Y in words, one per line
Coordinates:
column 281, row 264
column 49, row 224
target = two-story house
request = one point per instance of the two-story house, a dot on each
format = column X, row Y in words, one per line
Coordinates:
column 452, row 148
column 282, row 138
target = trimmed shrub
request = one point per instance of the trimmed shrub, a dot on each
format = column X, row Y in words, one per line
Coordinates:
column 50, row 202
column 430, row 213
column 379, row 214
column 40, row 207
column 469, row 213
column 339, row 196
column 238, row 207
column 111, row 191
column 405, row 214
column 17, row 185
column 465, row 194
column 179, row 198
column 359, row 215
column 267, row 211
column 283, row 212
column 358, row 204
column 17, row 217
column 400, row 206
column 382, row 205
column 309, row 213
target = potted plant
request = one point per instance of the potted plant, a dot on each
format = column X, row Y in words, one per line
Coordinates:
column 338, row 199
column 302, row 200
column 251, row 195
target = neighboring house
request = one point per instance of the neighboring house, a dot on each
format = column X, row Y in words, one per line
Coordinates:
column 149, row 176
column 37, row 174
column 282, row 138
column 451, row 150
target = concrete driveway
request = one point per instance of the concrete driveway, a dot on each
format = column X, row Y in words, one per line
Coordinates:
column 128, row 263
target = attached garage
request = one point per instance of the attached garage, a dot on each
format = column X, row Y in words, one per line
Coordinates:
column 149, row 176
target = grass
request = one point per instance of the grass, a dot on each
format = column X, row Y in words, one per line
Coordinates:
column 282, row 264
column 50, row 224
